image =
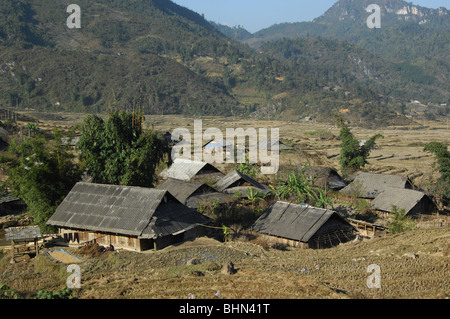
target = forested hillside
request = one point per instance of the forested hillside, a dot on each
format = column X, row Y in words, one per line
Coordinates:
column 165, row 59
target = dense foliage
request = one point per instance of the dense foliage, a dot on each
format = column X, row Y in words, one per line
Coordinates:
column 170, row 60
column 41, row 173
column 353, row 154
column 442, row 156
column 119, row 151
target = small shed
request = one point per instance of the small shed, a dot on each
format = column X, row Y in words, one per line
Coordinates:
column 186, row 170
column 219, row 143
column 268, row 145
column 368, row 185
column 9, row 203
column 192, row 194
column 127, row 217
column 301, row 225
column 236, row 181
column 21, row 237
column 412, row 201
column 325, row 177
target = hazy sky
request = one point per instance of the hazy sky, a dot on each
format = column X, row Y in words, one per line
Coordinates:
column 255, row 15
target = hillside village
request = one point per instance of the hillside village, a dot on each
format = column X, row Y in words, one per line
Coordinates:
column 356, row 181
column 196, row 200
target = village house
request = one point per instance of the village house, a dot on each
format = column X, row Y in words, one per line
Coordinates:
column 219, row 144
column 268, row 145
column 236, row 182
column 369, row 186
column 324, row 177
column 304, row 226
column 413, row 202
column 125, row 217
column 186, row 170
column 193, row 193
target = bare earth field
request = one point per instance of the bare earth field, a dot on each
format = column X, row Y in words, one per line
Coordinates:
column 414, row 264
column 399, row 152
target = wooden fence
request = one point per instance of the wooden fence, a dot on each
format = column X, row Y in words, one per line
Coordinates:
column 433, row 221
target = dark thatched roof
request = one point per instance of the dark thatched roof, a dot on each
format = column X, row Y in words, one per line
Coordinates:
column 124, row 210
column 210, row 198
column 410, row 200
column 298, row 222
column 182, row 190
column 236, row 178
column 367, row 185
column 325, row 177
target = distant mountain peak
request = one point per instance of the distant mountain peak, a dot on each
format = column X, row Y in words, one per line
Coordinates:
column 354, row 9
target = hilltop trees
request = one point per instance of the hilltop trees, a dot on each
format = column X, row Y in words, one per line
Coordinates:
column 119, row 151
column 353, row 155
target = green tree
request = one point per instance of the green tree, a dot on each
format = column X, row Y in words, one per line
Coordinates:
column 42, row 174
column 119, row 151
column 400, row 222
column 353, row 156
column 442, row 156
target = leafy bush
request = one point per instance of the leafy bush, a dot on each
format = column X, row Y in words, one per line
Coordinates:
column 65, row 293
column 7, row 293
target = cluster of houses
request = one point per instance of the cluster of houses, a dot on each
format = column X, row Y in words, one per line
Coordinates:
column 140, row 219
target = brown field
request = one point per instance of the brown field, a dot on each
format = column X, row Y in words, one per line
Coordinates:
column 399, row 152
column 413, row 265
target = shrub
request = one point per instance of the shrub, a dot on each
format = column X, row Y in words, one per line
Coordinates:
column 400, row 222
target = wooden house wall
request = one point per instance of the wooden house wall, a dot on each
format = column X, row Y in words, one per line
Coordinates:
column 118, row 241
column 129, row 242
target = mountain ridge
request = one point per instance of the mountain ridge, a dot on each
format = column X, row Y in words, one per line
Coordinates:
column 165, row 59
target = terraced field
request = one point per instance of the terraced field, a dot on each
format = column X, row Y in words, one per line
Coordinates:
column 413, row 265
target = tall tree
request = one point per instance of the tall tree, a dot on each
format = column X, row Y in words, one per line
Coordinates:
column 42, row 173
column 353, row 156
column 442, row 156
column 119, row 151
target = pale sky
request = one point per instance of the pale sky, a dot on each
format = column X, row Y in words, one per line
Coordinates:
column 255, row 15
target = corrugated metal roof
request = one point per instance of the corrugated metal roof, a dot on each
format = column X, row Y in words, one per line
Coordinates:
column 296, row 222
column 184, row 169
column 405, row 199
column 367, row 185
column 122, row 210
column 23, row 233
column 236, row 178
